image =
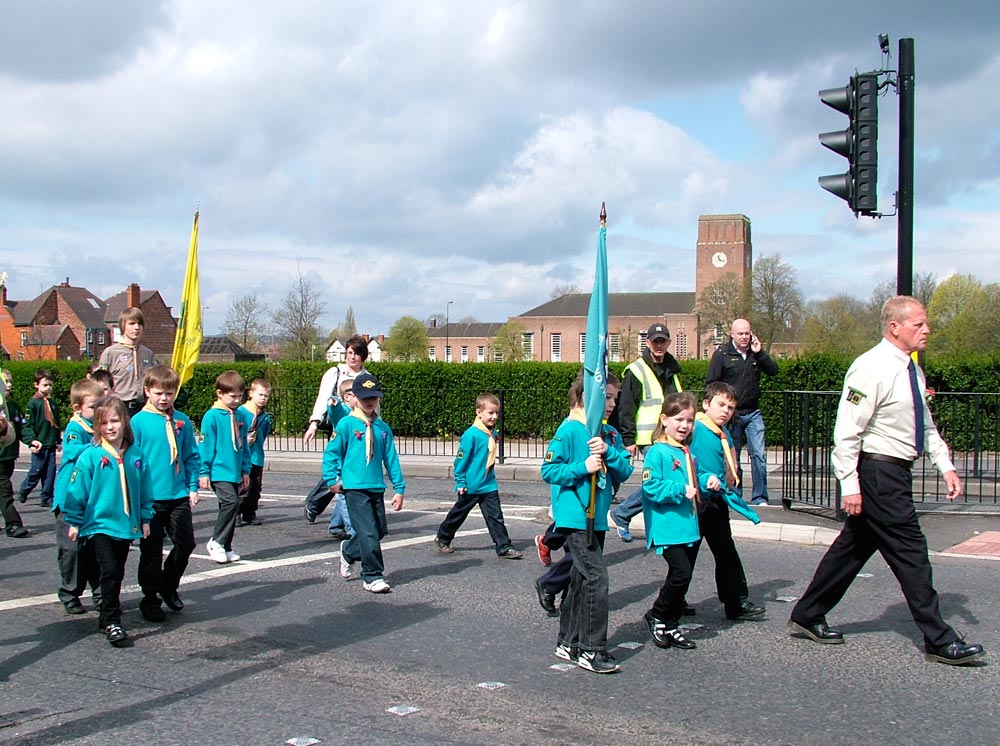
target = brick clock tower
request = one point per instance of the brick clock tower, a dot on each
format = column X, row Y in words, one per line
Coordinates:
column 723, row 248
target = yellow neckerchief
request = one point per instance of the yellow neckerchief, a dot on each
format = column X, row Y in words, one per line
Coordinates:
column 128, row 343
column 688, row 462
column 491, row 454
column 249, row 406
column 234, row 427
column 369, row 435
column 579, row 414
column 171, row 435
column 46, row 406
column 731, row 473
column 79, row 420
column 121, row 473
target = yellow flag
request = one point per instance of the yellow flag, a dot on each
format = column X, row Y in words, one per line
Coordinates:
column 187, row 343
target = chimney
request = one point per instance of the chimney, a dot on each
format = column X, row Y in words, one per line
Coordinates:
column 132, row 295
column 3, row 294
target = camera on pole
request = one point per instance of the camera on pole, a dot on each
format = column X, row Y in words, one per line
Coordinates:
column 858, row 143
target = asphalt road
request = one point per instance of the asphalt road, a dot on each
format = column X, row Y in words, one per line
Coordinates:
column 278, row 647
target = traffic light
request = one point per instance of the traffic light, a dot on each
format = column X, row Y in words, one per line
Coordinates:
column 858, row 143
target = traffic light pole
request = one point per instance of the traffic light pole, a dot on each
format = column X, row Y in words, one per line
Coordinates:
column 904, row 230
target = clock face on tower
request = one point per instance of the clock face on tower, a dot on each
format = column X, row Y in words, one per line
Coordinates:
column 719, row 259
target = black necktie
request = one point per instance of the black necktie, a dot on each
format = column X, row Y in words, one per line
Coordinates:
column 918, row 409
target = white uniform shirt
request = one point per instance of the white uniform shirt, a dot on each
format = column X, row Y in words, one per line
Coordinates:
column 875, row 415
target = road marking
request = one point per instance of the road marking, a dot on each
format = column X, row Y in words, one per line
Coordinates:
column 238, row 568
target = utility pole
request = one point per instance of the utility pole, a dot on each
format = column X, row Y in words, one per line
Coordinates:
column 904, row 229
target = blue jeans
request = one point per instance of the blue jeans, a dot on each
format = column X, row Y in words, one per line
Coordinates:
column 583, row 616
column 43, row 469
column 339, row 519
column 319, row 497
column 630, row 507
column 749, row 427
column 367, row 511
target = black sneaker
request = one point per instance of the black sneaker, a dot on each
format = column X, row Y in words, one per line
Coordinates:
column 74, row 607
column 597, row 661
column 241, row 522
column 510, row 553
column 172, row 600
column 16, row 531
column 442, row 547
column 566, row 653
column 21, row 497
column 116, row 635
column 545, row 599
column 310, row 516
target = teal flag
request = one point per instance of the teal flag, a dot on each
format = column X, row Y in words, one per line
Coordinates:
column 595, row 356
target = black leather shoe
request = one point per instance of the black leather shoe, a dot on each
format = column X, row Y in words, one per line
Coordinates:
column 746, row 611
column 817, row 632
column 547, row 600
column 688, row 610
column 957, row 653
column 172, row 600
column 152, row 613
column 16, row 531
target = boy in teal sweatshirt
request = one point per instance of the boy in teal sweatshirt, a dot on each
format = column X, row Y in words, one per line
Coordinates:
column 255, row 410
column 76, row 563
column 165, row 439
column 359, row 447
column 476, row 482
column 41, row 434
column 225, row 461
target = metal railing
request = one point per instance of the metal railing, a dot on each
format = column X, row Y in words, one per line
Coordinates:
column 969, row 423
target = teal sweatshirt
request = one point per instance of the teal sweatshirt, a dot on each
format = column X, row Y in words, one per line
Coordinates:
column 94, row 502
column 169, row 481
column 563, row 467
column 77, row 437
column 221, row 459
column 345, row 457
column 470, row 463
column 256, row 434
column 669, row 515
column 706, row 447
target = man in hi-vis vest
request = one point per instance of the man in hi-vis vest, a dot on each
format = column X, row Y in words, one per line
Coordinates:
column 647, row 381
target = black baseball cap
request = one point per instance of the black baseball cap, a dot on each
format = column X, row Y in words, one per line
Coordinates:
column 657, row 331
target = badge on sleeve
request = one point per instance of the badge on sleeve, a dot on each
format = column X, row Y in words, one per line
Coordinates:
column 854, row 396
column 645, row 474
column 460, row 455
column 548, row 457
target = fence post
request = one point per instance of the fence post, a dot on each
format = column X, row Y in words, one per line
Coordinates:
column 500, row 434
column 976, row 437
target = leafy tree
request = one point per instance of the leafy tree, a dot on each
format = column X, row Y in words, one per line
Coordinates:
column 509, row 342
column 724, row 300
column 295, row 319
column 407, row 340
column 776, row 300
column 247, row 322
column 963, row 314
column 838, row 325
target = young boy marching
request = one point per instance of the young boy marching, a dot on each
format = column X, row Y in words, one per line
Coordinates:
column 255, row 410
column 41, row 434
column 225, row 461
column 476, row 482
column 359, row 447
column 572, row 457
column 165, row 439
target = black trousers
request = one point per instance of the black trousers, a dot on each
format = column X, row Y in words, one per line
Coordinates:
column 250, row 497
column 489, row 505
column 730, row 579
column 887, row 523
column 10, row 515
column 680, row 567
column 171, row 518
column 111, row 554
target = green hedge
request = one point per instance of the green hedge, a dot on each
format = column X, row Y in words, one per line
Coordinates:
column 438, row 399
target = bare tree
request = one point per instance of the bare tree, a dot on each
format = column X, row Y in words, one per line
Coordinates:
column 838, row 325
column 295, row 319
column 565, row 288
column 724, row 300
column 776, row 300
column 347, row 328
column 247, row 322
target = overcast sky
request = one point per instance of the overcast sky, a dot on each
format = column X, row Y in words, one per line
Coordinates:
column 410, row 153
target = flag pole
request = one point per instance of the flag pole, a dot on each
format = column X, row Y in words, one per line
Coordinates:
column 592, row 503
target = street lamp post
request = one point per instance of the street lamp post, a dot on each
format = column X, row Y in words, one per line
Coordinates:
column 447, row 331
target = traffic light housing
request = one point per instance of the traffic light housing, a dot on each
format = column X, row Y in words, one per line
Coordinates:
column 858, row 143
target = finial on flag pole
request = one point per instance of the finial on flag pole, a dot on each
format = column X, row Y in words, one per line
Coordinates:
column 604, row 215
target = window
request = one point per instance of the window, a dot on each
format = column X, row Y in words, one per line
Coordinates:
column 100, row 338
column 447, row 354
column 480, row 354
column 432, row 353
column 555, row 347
column 24, row 338
column 615, row 347
column 528, row 345
column 718, row 335
column 583, row 345
column 90, row 336
column 497, row 356
column 464, row 354
column 681, row 346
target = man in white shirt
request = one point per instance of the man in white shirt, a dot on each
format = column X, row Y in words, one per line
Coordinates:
column 883, row 426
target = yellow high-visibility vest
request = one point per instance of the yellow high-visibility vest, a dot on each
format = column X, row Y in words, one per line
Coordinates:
column 648, row 412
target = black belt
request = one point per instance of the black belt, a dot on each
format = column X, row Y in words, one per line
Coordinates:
column 865, row 456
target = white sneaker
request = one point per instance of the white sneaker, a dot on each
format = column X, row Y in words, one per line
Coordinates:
column 377, row 586
column 345, row 566
column 216, row 552
column 232, row 557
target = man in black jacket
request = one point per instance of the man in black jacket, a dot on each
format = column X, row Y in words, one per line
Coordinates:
column 647, row 381
column 740, row 363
